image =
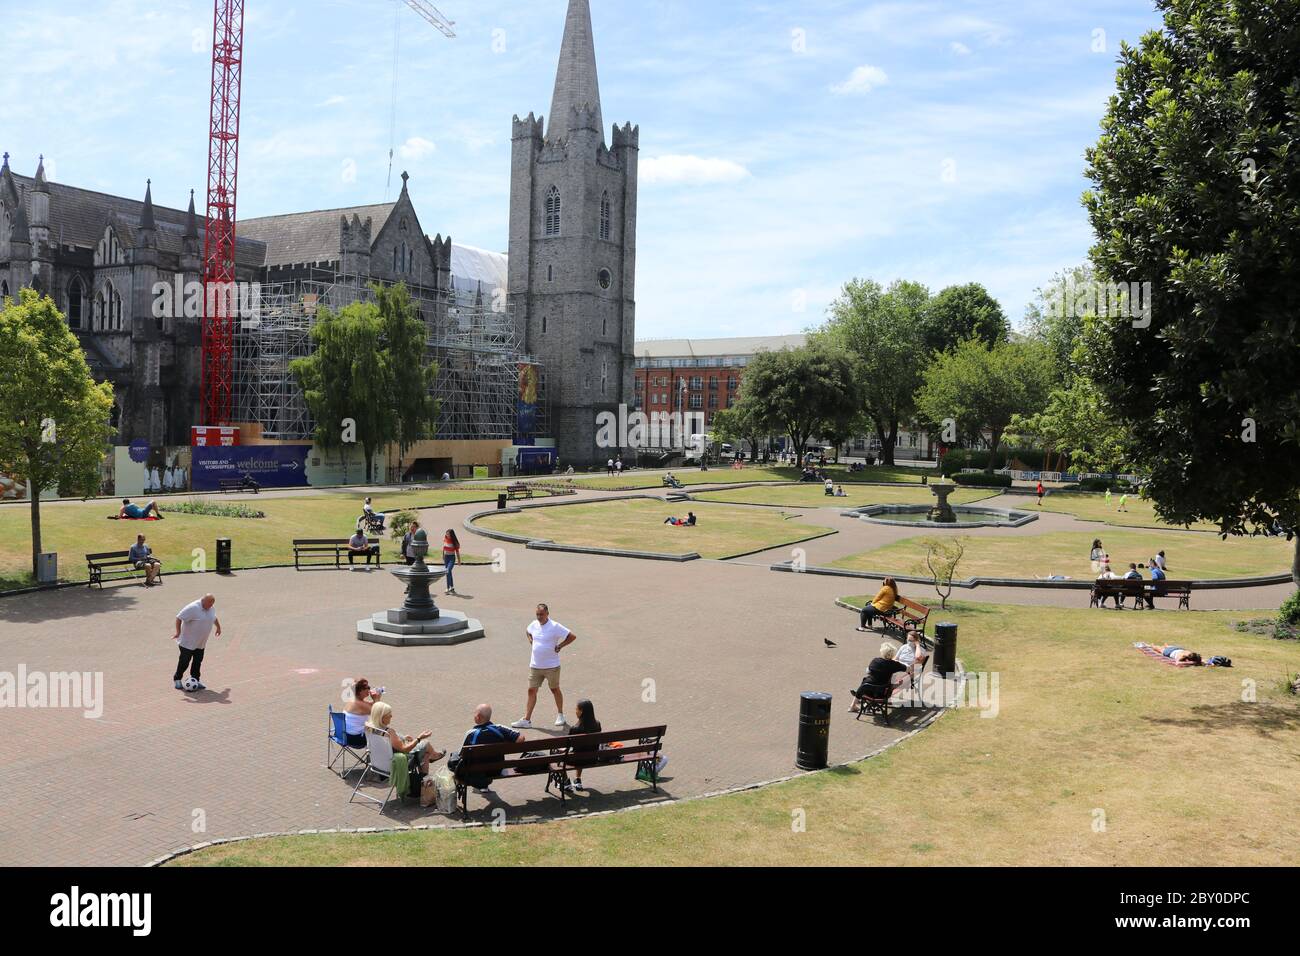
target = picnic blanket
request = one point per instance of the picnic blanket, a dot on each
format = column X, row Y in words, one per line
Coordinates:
column 1154, row 653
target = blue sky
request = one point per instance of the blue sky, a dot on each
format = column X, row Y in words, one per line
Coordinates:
column 785, row 147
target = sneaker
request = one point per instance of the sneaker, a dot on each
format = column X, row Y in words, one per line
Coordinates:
column 199, row 685
column 177, row 684
column 523, row 724
column 567, row 786
column 577, row 785
column 483, row 790
column 560, row 721
column 864, row 628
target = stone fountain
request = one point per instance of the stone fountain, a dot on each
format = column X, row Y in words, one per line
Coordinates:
column 942, row 512
column 419, row 622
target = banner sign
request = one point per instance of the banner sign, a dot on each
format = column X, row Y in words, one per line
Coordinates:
column 214, row 436
column 271, row 466
column 526, row 405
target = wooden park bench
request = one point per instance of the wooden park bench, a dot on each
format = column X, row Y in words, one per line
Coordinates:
column 519, row 490
column 235, row 484
column 110, row 562
column 1139, row 590
column 556, row 756
column 338, row 547
column 906, row 616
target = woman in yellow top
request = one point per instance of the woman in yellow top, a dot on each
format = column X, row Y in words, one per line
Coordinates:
column 882, row 603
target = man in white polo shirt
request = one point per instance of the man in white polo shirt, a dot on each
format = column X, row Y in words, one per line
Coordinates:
column 194, row 622
column 547, row 639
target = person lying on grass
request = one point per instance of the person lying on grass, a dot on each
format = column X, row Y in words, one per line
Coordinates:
column 130, row 512
column 687, row 522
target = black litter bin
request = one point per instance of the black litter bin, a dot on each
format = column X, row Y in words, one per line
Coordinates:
column 223, row 555
column 945, row 648
column 501, row 502
column 814, row 730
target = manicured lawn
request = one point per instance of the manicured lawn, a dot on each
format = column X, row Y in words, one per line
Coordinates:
column 639, row 526
column 1190, row 554
column 723, row 474
column 75, row 529
column 855, row 496
column 1139, row 513
column 1097, row 756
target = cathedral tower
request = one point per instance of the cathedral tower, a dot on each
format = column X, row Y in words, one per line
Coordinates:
column 573, row 248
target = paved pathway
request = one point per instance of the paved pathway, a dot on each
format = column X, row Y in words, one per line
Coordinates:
column 718, row 651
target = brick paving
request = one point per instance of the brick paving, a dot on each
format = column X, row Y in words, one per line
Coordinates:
column 725, row 647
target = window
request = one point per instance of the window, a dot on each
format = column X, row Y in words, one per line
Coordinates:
column 697, row 401
column 731, row 384
column 697, row 383
column 605, row 278
column 543, row 325
column 4, row 290
column 99, row 320
column 604, row 377
column 74, row 304
column 604, row 326
column 713, row 384
column 604, row 216
column 550, row 273
column 117, row 311
column 553, row 211
column 713, row 401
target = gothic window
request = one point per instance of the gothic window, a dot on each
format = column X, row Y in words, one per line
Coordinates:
column 99, row 320
column 108, row 252
column 74, row 304
column 395, row 264
column 4, row 290
column 553, row 211
column 604, row 216
column 604, row 377
column 604, row 326
column 550, row 273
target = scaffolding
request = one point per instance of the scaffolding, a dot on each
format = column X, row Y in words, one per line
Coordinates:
column 472, row 336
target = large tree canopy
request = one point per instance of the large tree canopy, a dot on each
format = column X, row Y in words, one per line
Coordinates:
column 1197, row 191
column 962, row 312
column 883, row 330
column 54, row 429
column 802, row 392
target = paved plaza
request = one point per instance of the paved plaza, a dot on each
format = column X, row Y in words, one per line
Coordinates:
column 719, row 651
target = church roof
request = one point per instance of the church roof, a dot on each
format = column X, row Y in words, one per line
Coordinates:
column 710, row 348
column 300, row 237
column 78, row 217
column 576, row 83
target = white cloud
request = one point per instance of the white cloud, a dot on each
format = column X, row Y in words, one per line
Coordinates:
column 959, row 48
column 691, row 170
column 862, row 80
column 417, row 148
column 335, row 101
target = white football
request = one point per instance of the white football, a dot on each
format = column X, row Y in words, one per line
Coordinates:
column 190, row 683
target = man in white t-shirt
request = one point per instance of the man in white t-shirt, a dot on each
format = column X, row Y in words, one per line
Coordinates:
column 194, row 623
column 547, row 638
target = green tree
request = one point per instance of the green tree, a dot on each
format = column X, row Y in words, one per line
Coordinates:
column 366, row 381
column 977, row 387
column 1051, row 318
column 802, row 392
column 54, row 419
column 1197, row 190
column 962, row 312
column 738, row 424
column 884, row 333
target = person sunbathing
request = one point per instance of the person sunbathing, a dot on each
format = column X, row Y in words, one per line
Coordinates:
column 130, row 512
column 687, row 522
column 1179, row 654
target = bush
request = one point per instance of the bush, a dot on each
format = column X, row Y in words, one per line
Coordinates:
column 1290, row 612
column 198, row 506
column 400, row 523
column 981, row 479
column 959, row 458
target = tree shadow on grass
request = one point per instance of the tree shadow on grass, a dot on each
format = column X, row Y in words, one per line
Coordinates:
column 1266, row 720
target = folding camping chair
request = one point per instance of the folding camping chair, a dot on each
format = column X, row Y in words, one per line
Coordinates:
column 380, row 752
column 337, row 736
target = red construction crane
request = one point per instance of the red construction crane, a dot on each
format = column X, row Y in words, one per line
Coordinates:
column 219, row 236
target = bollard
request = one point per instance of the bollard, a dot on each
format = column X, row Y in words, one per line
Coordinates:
column 814, row 731
column 501, row 502
column 223, row 555
column 945, row 648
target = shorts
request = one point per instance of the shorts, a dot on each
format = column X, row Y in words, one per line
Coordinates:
column 538, row 674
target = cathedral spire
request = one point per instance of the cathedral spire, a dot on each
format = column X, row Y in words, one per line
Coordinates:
column 191, row 223
column 576, row 84
column 146, row 217
column 41, row 185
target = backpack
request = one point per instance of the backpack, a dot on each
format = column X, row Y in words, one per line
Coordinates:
column 1218, row 660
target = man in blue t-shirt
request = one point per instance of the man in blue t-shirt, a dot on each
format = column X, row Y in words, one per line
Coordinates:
column 132, row 512
column 486, row 732
column 1157, row 588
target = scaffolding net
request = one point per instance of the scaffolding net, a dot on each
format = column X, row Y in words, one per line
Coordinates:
column 470, row 335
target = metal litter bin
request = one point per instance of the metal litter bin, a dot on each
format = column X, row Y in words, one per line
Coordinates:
column 814, row 730
column 945, row 648
column 223, row 555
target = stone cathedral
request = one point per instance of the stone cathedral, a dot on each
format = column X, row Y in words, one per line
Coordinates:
column 573, row 248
